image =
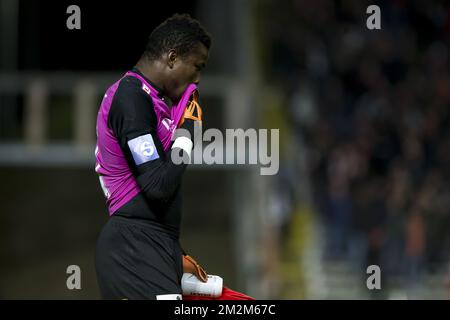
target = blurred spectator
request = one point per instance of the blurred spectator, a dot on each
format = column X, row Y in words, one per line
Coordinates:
column 373, row 109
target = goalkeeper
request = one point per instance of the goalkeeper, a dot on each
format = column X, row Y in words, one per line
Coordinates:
column 138, row 255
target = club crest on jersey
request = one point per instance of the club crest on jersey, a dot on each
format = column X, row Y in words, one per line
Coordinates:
column 145, row 88
column 168, row 124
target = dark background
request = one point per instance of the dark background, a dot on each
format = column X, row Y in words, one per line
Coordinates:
column 112, row 36
column 364, row 120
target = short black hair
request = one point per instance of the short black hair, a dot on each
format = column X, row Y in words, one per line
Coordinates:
column 180, row 32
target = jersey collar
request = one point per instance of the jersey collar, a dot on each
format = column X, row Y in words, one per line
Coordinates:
column 160, row 92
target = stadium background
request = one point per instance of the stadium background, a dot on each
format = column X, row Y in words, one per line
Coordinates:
column 364, row 144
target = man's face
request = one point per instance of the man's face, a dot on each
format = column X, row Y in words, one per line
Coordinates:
column 185, row 70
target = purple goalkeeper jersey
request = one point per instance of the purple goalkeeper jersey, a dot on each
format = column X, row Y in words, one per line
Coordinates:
column 116, row 178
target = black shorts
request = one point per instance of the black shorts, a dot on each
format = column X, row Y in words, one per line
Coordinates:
column 136, row 259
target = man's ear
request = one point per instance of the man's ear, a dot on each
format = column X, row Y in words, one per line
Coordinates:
column 172, row 56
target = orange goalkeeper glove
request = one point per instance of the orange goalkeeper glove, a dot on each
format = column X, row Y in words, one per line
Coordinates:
column 193, row 110
column 191, row 266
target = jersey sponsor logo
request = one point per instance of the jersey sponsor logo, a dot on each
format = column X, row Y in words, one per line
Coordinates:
column 143, row 149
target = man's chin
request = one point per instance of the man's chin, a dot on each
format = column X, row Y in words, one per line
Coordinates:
column 173, row 98
column 177, row 98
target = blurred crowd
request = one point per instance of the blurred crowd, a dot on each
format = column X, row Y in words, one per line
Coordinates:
column 372, row 108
